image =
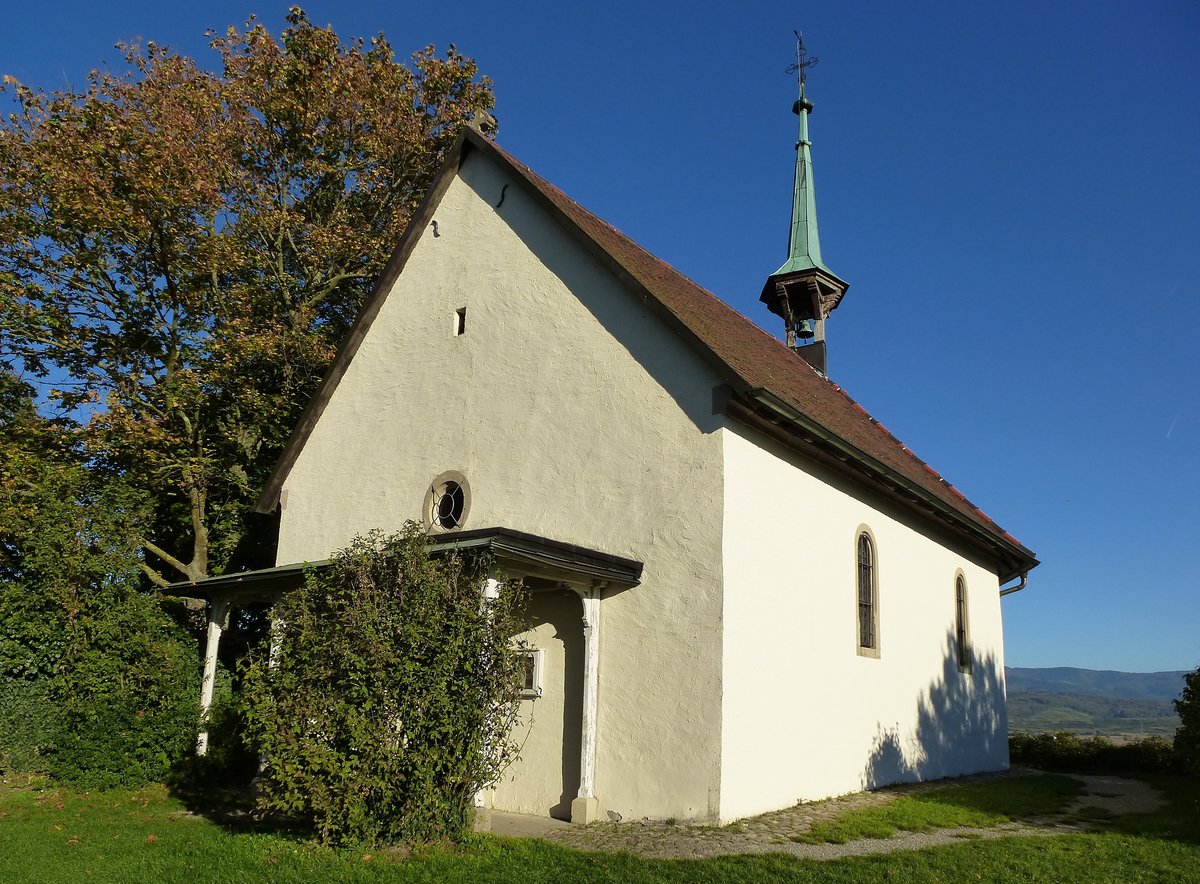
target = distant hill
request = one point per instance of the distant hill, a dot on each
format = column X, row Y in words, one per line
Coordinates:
column 1041, row 711
column 1091, row 701
column 1096, row 682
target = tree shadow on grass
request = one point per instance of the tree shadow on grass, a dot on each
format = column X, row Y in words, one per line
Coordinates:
column 220, row 787
column 1025, row 798
column 234, row 811
column 1178, row 820
column 229, row 802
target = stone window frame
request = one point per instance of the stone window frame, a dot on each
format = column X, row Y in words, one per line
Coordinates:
column 962, row 622
column 429, row 518
column 537, row 655
column 871, row 650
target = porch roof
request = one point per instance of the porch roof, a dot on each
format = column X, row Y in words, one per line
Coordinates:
column 515, row 551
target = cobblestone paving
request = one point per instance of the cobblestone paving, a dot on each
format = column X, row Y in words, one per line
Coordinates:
column 775, row 831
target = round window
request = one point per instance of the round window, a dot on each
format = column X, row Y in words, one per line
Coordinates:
column 447, row 502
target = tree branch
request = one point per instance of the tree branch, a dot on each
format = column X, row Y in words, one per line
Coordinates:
column 165, row 556
column 199, row 565
column 329, row 286
column 155, row 578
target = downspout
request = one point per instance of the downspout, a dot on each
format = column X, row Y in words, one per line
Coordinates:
column 1020, row 586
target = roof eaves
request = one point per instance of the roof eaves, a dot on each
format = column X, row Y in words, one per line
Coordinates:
column 1021, row 558
column 546, row 195
column 527, row 552
column 530, row 550
column 262, row 583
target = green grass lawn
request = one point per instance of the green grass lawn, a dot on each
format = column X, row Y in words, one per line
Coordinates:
column 51, row 835
column 976, row 805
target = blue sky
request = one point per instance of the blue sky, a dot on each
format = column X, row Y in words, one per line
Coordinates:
column 1011, row 190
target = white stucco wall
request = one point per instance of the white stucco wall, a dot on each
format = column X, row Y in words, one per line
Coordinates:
column 549, row 735
column 574, row 417
column 806, row 717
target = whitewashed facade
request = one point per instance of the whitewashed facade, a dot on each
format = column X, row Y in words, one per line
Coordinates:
column 583, row 396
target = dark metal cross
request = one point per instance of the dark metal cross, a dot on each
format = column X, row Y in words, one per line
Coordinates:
column 803, row 62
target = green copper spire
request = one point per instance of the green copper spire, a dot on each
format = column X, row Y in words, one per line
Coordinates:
column 803, row 292
column 804, row 243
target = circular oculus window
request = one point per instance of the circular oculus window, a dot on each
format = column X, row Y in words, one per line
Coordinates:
column 447, row 502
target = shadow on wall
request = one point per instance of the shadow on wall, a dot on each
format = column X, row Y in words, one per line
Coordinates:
column 558, row 715
column 962, row 726
column 569, row 626
column 658, row 354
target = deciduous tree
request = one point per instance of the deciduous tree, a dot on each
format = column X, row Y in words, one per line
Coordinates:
column 1187, row 737
column 182, row 250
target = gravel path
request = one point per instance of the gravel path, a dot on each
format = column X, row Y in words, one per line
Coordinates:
column 773, row 832
column 1117, row 795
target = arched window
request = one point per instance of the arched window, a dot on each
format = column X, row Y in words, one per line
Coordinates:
column 962, row 645
column 868, row 596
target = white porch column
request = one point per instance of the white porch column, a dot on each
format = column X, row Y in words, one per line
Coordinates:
column 274, row 643
column 217, row 609
column 586, row 808
column 490, row 592
column 491, row 589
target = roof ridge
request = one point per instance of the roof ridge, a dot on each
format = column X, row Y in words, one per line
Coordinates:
column 741, row 351
column 665, row 265
column 773, row 345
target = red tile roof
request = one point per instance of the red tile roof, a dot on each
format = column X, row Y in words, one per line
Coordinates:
column 756, row 358
column 756, row 364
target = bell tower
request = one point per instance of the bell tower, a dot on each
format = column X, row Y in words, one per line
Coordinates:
column 803, row 292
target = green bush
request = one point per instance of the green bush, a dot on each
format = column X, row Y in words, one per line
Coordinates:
column 1068, row 752
column 120, row 708
column 101, row 686
column 229, row 762
column 30, row 725
column 128, row 690
column 391, row 696
column 108, row 680
column 1187, row 736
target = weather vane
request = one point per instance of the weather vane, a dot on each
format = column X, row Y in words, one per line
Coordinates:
column 803, row 62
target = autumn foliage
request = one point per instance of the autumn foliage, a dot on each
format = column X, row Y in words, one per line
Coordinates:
column 183, row 245
column 181, row 251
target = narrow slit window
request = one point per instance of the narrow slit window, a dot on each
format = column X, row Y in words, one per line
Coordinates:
column 961, row 641
column 460, row 321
